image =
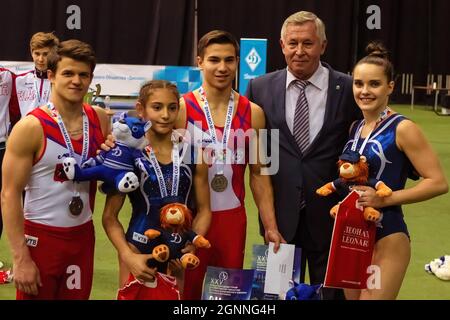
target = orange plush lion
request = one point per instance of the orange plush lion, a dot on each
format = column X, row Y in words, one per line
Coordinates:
column 175, row 231
column 354, row 170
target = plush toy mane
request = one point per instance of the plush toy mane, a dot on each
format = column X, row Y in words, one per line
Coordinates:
column 362, row 169
column 176, row 228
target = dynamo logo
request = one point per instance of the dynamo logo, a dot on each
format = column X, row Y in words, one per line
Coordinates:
column 223, row 276
column 253, row 59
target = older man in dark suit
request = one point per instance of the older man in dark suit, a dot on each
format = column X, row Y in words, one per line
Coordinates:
column 312, row 106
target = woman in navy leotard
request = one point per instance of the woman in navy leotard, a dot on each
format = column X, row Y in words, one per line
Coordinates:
column 394, row 147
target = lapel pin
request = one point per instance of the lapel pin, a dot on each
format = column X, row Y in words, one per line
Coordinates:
column 338, row 87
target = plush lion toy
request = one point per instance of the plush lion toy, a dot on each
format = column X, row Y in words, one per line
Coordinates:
column 175, row 231
column 354, row 170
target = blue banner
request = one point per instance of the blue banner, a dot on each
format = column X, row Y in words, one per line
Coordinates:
column 253, row 61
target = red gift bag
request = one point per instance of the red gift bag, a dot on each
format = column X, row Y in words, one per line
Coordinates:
column 351, row 247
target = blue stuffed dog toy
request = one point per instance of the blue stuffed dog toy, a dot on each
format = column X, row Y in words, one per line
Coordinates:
column 302, row 291
column 114, row 167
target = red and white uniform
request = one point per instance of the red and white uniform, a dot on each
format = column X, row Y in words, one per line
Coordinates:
column 47, row 197
column 6, row 85
column 238, row 145
column 227, row 231
column 163, row 288
column 31, row 89
column 61, row 244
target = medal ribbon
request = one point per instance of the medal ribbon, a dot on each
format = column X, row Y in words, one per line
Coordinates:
column 84, row 153
column 219, row 154
column 383, row 115
column 44, row 87
column 57, row 117
column 175, row 170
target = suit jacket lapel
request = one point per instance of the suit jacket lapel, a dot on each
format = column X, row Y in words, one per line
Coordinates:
column 279, row 103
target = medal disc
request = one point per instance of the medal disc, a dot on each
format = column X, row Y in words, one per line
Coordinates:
column 219, row 183
column 76, row 206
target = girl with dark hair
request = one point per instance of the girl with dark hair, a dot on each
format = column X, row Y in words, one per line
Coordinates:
column 394, row 146
column 169, row 172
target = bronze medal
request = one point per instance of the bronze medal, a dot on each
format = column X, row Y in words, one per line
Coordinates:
column 219, row 183
column 76, row 205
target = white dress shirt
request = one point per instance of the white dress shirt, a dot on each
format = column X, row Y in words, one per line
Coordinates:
column 316, row 94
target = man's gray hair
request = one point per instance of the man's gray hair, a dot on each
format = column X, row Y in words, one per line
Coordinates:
column 301, row 17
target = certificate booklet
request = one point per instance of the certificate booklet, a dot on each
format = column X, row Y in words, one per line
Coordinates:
column 259, row 263
column 227, row 284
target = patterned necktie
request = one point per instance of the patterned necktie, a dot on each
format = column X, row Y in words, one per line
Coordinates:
column 301, row 125
column 301, row 117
